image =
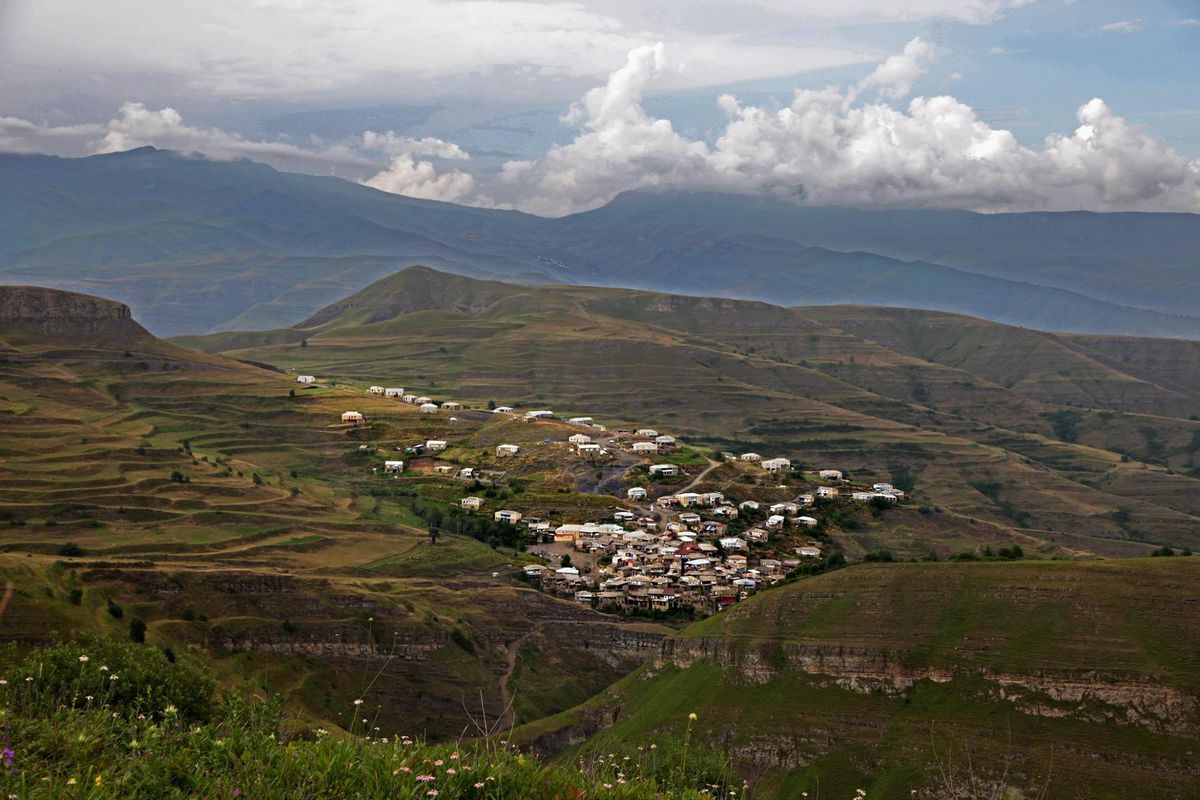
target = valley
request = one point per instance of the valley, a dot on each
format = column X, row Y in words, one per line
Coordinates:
column 196, row 487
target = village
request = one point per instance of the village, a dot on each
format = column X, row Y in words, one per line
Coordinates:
column 668, row 544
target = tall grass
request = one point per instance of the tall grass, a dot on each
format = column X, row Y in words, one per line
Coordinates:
column 98, row 718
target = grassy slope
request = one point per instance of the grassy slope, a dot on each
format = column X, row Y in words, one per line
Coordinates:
column 287, row 570
column 931, row 397
column 800, row 729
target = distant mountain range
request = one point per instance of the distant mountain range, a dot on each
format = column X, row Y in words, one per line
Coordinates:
column 195, row 246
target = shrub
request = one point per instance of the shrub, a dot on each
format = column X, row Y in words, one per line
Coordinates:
column 70, row 549
column 114, row 610
column 137, row 630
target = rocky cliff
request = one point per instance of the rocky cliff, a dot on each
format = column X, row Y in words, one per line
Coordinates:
column 35, row 312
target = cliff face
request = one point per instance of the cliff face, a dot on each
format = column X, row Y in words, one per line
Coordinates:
column 1092, row 695
column 36, row 312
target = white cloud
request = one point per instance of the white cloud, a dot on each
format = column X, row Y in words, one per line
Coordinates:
column 24, row 136
column 138, row 125
column 326, row 48
column 825, row 149
column 408, row 176
column 1123, row 26
column 972, row 11
column 1184, row 22
column 392, row 144
column 895, row 77
column 413, row 178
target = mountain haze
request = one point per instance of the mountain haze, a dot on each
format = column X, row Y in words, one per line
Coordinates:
column 195, row 245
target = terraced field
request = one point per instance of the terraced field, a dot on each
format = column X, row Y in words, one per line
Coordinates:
column 1040, row 439
column 234, row 512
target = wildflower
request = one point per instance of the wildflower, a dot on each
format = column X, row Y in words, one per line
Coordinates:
column 424, row 778
column 454, row 756
column 6, row 755
column 103, row 668
column 432, row 793
column 88, row 698
column 3, row 682
column 358, row 702
column 692, row 717
column 71, row 781
column 113, row 677
column 83, row 660
column 170, row 710
column 99, row 780
column 438, row 763
column 479, row 785
column 452, row 771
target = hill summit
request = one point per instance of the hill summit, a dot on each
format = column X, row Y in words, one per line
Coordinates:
column 36, row 312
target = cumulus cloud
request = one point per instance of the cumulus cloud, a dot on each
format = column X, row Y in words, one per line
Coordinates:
column 408, row 176
column 894, row 78
column 824, row 148
column 392, row 144
column 137, row 126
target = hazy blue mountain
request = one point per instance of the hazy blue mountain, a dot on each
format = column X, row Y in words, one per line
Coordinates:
column 195, row 245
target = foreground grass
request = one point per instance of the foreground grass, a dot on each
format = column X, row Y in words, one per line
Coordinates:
column 102, row 719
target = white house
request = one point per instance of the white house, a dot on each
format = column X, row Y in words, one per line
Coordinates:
column 450, row 405
column 789, row 509
column 393, row 466
column 711, row 499
column 352, row 416
column 725, row 512
column 636, row 493
column 506, row 450
column 420, row 401
column 307, row 380
column 396, row 392
column 883, row 487
column 664, row 441
column 830, row 474
column 471, row 503
column 827, row 492
column 511, row 517
column 647, row 433
column 444, row 469
column 863, row 497
column 776, row 464
column 806, row 499
column 428, row 408
column 541, row 414
column 503, row 410
column 435, row 445
column 409, row 398
column 645, row 448
column 686, row 499
column 732, row 543
column 466, row 473
column 748, row 505
column 664, row 470
column 375, row 390
column 775, row 522
column 808, row 522
column 752, row 458
column 591, row 448
column 579, row 438
column 580, row 420
column 808, row 551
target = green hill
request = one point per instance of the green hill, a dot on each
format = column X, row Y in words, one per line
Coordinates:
column 1053, row 679
column 1015, row 435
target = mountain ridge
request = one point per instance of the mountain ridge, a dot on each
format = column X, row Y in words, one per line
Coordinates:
column 193, row 244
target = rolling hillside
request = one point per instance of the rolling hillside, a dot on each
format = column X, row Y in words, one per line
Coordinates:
column 194, row 246
column 1049, row 444
column 1052, row 679
column 232, row 514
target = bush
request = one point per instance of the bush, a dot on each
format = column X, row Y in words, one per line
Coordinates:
column 127, row 679
column 114, row 610
column 70, row 549
column 137, row 630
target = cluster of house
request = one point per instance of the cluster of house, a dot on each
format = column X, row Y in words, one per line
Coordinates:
column 632, row 564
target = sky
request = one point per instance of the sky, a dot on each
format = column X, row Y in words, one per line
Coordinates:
column 556, row 106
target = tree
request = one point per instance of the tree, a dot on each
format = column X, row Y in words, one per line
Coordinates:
column 491, row 405
column 565, row 561
column 434, row 533
column 304, row 342
column 70, row 549
column 137, row 630
column 258, row 481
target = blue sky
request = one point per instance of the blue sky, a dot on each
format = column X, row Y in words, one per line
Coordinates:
column 474, row 91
